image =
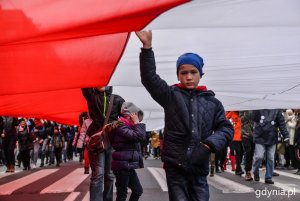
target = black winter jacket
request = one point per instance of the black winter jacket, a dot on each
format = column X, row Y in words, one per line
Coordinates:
column 126, row 143
column 190, row 116
column 95, row 102
column 266, row 125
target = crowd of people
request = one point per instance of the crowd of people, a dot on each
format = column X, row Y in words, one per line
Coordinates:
column 262, row 139
column 24, row 141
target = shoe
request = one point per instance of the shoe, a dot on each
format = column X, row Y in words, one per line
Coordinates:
column 240, row 172
column 279, row 167
column 290, row 168
column 269, row 181
column 8, row 168
column 248, row 176
column 256, row 178
column 212, row 171
column 86, row 170
column 275, row 174
column 12, row 170
column 57, row 165
column 218, row 170
column 42, row 165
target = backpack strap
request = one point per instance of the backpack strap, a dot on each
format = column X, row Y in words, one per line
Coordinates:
column 111, row 100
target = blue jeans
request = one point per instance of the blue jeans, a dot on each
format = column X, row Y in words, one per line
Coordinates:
column 35, row 152
column 64, row 152
column 125, row 179
column 184, row 186
column 259, row 153
column 101, row 172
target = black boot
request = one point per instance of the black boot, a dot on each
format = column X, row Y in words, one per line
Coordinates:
column 86, row 170
column 239, row 172
column 212, row 171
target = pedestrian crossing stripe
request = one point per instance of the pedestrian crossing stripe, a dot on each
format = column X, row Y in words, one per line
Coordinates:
column 228, row 186
column 223, row 184
column 288, row 174
column 72, row 196
column 160, row 177
column 9, row 188
column 283, row 186
column 67, row 183
column 5, row 174
column 74, row 179
column 86, row 197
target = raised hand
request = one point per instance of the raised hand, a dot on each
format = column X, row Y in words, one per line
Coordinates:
column 145, row 37
column 134, row 118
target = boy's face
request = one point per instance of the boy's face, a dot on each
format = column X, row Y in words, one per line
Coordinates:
column 189, row 76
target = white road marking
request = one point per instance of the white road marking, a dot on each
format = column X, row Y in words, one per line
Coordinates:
column 283, row 186
column 160, row 176
column 72, row 196
column 67, row 183
column 287, row 174
column 5, row 174
column 86, row 197
column 228, row 186
column 8, row 188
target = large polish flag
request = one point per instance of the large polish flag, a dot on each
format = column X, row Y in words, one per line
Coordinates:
column 49, row 49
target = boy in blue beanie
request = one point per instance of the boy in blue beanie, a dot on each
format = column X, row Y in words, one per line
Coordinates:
column 195, row 123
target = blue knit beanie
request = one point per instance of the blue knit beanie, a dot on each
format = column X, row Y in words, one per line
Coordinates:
column 193, row 59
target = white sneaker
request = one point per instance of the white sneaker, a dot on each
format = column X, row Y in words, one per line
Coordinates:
column 33, row 166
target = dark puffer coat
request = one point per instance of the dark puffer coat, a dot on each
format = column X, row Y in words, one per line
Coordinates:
column 190, row 116
column 126, row 143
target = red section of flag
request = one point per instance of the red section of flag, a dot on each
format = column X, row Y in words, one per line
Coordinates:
column 50, row 49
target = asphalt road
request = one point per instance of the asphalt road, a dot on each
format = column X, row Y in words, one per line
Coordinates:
column 68, row 183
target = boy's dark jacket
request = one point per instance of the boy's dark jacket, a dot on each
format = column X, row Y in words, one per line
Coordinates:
column 190, row 116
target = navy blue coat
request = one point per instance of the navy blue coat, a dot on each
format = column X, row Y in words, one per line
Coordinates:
column 266, row 125
column 127, row 153
column 190, row 116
